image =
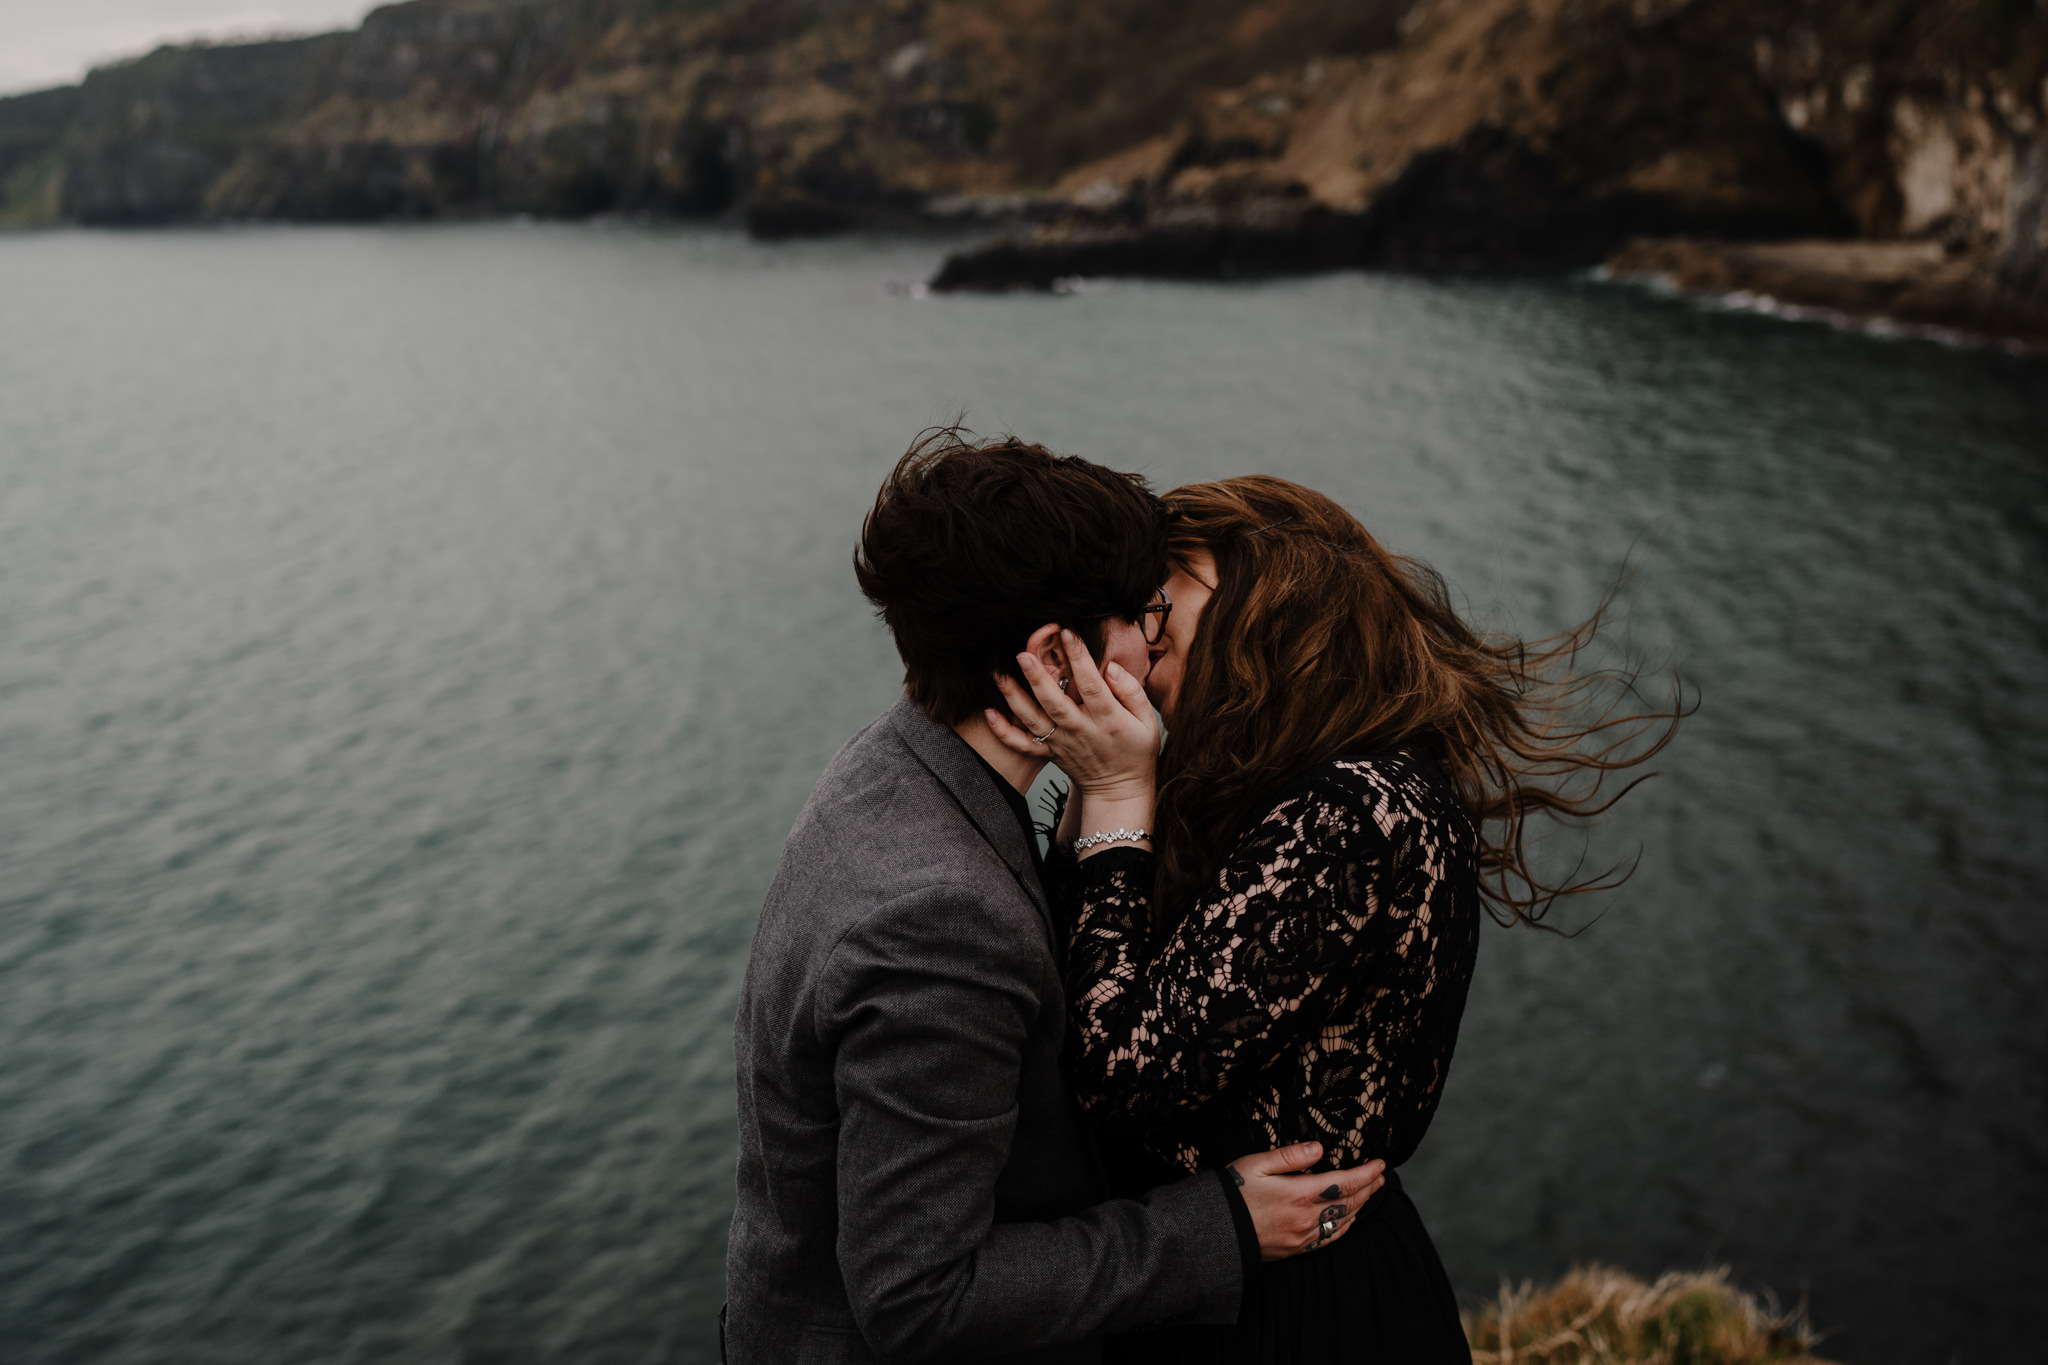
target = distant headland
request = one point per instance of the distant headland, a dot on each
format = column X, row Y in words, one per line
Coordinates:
column 1188, row 138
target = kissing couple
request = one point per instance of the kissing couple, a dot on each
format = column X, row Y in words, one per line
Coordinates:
column 1141, row 1097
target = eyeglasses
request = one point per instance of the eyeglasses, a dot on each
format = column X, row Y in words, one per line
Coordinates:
column 1151, row 618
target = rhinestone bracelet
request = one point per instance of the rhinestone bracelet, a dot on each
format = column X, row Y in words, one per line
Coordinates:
column 1087, row 842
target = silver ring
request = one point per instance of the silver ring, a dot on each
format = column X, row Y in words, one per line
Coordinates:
column 1046, row 736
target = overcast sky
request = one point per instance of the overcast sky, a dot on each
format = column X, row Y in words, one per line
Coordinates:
column 52, row 42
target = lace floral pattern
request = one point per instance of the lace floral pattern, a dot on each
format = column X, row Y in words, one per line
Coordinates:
column 1313, row 993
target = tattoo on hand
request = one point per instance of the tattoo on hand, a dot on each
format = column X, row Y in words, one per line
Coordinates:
column 1332, row 1193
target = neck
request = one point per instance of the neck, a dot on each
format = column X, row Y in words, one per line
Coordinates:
column 1019, row 771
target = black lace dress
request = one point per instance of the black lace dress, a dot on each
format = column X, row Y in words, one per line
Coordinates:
column 1312, row 994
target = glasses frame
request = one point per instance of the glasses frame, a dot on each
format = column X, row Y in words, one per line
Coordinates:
column 1163, row 609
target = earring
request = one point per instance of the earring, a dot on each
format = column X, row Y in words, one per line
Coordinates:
column 1064, row 682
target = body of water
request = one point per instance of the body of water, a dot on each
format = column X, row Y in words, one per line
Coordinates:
column 415, row 644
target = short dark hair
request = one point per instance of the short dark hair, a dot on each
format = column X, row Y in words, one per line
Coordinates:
column 972, row 545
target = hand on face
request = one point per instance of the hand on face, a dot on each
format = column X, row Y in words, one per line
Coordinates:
column 1101, row 730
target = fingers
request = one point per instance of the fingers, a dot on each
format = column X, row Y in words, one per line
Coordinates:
column 1279, row 1161
column 1331, row 1223
column 1320, row 1240
column 1023, row 704
column 1011, row 737
column 1360, row 1183
column 1350, row 1188
column 1128, row 691
column 1089, row 688
column 1315, row 1237
column 1044, row 687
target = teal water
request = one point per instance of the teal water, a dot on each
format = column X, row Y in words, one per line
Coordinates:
column 414, row 645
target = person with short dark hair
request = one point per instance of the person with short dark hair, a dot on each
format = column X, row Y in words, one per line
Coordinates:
column 970, row 548
column 915, row 1179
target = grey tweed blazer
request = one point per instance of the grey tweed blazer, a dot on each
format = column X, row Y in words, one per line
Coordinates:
column 914, row 1179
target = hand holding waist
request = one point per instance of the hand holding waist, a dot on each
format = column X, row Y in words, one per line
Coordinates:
column 1295, row 1211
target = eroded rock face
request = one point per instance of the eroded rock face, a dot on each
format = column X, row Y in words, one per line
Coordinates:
column 152, row 136
column 31, row 129
column 1202, row 137
column 2021, row 262
column 444, row 108
column 1544, row 133
column 1495, row 133
column 803, row 114
column 1930, row 127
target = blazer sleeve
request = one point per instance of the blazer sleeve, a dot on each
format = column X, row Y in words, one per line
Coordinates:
column 927, row 1004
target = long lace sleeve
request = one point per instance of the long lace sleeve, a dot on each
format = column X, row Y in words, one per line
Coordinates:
column 1298, row 993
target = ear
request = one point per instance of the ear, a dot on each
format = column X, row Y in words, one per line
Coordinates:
column 1045, row 643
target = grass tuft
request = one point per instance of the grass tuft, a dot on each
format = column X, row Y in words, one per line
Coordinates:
column 1599, row 1316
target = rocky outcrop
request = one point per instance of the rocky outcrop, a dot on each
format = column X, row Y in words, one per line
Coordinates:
column 1918, row 283
column 1542, row 134
column 1274, row 237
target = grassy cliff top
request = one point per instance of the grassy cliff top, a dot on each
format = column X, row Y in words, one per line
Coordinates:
column 1600, row 1316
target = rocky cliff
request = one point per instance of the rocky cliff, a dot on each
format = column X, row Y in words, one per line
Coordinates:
column 1549, row 133
column 1184, row 137
column 803, row 114
column 32, row 128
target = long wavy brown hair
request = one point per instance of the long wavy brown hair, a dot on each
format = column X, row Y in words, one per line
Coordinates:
column 1318, row 642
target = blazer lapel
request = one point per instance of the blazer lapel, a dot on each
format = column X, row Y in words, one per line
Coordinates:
column 957, row 767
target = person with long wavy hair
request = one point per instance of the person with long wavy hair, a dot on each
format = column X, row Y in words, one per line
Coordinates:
column 1272, row 920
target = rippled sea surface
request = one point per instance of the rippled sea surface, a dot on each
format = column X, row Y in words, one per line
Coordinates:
column 414, row 645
